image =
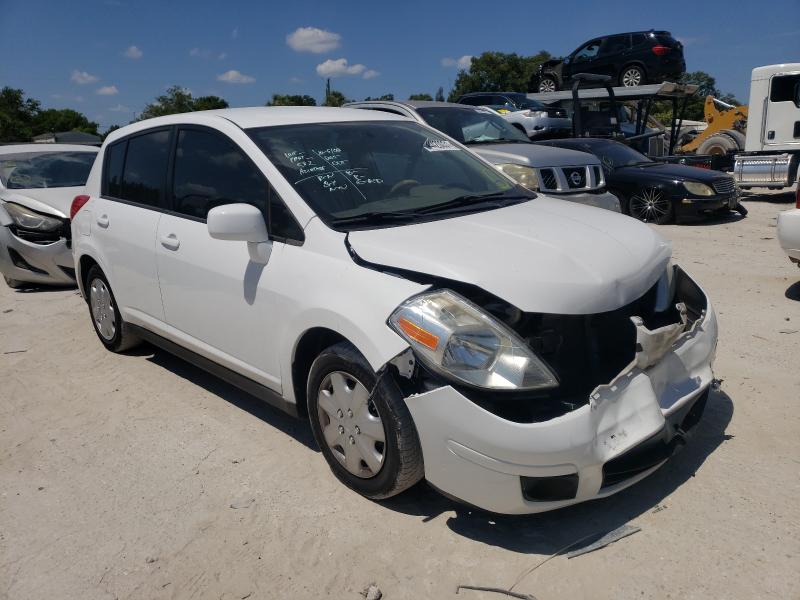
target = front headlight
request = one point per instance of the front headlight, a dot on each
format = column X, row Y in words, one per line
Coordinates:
column 455, row 338
column 698, row 189
column 539, row 114
column 28, row 219
column 521, row 174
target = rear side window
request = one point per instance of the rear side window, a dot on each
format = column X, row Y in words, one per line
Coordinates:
column 638, row 39
column 614, row 45
column 145, row 168
column 474, row 100
column 785, row 88
column 210, row 170
column 115, row 161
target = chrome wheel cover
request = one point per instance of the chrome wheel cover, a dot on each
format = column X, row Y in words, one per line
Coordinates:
column 631, row 77
column 547, row 85
column 350, row 424
column 649, row 205
column 102, row 309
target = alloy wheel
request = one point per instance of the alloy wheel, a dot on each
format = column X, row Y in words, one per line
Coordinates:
column 632, row 77
column 547, row 85
column 650, row 205
column 102, row 309
column 351, row 425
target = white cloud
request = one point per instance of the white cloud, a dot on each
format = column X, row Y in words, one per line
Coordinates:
column 462, row 63
column 234, row 76
column 370, row 74
column 312, row 39
column 339, row 67
column 82, row 77
column 235, row 33
column 120, row 108
column 79, row 98
column 222, row 56
column 199, row 52
column 295, row 80
column 206, row 54
column 134, row 53
column 108, row 90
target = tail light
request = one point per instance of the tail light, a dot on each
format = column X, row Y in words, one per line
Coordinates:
column 77, row 204
column 797, row 196
column 660, row 50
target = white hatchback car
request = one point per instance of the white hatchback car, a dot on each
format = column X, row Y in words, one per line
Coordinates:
column 789, row 230
column 429, row 316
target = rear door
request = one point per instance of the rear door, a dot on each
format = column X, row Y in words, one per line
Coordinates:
column 216, row 301
column 125, row 220
column 611, row 56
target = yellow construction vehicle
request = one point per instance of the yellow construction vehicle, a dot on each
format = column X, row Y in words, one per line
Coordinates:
column 726, row 129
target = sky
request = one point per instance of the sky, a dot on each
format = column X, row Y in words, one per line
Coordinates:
column 108, row 58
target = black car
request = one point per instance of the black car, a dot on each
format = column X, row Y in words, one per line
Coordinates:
column 630, row 59
column 657, row 192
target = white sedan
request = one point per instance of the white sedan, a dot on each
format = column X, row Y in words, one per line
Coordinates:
column 37, row 185
column 789, row 231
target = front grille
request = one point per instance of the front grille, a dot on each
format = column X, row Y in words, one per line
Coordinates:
column 724, row 186
column 575, row 176
column 21, row 263
column 597, row 175
column 549, row 180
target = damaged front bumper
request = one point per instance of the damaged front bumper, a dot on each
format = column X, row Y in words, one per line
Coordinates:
column 628, row 428
column 48, row 263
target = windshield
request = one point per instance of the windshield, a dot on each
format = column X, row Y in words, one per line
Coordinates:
column 471, row 126
column 524, row 103
column 45, row 169
column 614, row 155
column 366, row 172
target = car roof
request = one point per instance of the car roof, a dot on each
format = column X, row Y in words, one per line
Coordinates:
column 258, row 116
column 28, row 148
column 415, row 104
column 491, row 93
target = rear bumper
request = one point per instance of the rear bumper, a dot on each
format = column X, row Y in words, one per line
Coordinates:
column 49, row 264
column 537, row 127
column 789, row 232
column 598, row 449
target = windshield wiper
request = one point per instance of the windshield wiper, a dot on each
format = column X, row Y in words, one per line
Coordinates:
column 377, row 215
column 496, row 141
column 470, row 200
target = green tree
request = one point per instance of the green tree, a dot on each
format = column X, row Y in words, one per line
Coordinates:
column 385, row 98
column 209, row 103
column 291, row 100
column 108, row 131
column 16, row 115
column 179, row 100
column 420, row 97
column 440, row 94
column 56, row 120
column 334, row 98
column 498, row 72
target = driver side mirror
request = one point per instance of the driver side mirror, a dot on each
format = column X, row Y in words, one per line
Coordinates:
column 243, row 223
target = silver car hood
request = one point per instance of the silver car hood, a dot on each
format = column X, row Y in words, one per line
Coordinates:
column 51, row 201
column 545, row 255
column 533, row 155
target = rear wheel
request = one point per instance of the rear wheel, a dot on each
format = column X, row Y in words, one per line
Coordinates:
column 718, row 144
column 548, row 83
column 362, row 425
column 113, row 332
column 631, row 76
column 651, row 205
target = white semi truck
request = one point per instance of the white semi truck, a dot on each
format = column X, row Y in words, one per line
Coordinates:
column 772, row 143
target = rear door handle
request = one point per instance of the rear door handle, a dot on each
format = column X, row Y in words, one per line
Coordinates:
column 102, row 221
column 170, row 242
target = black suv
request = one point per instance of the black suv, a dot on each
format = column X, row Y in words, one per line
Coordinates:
column 630, row 59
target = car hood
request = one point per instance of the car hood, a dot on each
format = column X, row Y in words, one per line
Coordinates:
column 51, row 201
column 670, row 172
column 545, row 255
column 533, row 155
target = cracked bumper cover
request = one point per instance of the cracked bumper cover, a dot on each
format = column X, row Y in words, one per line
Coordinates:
column 49, row 260
column 479, row 458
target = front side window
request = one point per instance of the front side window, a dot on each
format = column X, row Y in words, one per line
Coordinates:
column 354, row 174
column 471, row 126
column 210, row 170
column 588, row 52
column 28, row 170
column 785, row 88
column 145, row 168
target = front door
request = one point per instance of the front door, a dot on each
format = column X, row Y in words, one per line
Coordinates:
column 216, row 301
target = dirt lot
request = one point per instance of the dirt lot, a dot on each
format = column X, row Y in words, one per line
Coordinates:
column 139, row 476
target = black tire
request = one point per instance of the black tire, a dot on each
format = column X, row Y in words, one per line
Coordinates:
column 122, row 338
column 547, row 83
column 718, row 144
column 651, row 205
column 402, row 464
column 623, row 202
column 632, row 76
column 14, row 284
column 737, row 137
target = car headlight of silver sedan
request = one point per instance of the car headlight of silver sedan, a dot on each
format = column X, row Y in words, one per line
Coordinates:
column 457, row 339
column 698, row 189
column 29, row 219
column 523, row 175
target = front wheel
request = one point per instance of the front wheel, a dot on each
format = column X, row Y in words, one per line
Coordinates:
column 548, row 83
column 631, row 76
column 651, row 205
column 362, row 425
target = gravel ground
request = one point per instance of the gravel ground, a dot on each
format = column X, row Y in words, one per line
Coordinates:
column 139, row 476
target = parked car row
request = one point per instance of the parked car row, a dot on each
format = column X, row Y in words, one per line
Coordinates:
column 428, row 311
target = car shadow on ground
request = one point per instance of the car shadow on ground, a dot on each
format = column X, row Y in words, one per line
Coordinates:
column 721, row 219
column 296, row 428
column 793, row 291
column 547, row 533
column 770, row 198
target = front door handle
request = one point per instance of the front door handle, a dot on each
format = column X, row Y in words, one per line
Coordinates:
column 102, row 221
column 170, row 242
